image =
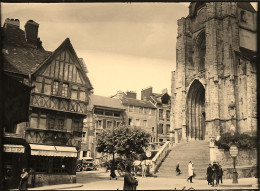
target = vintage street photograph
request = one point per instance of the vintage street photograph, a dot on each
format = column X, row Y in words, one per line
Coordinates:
column 129, row 96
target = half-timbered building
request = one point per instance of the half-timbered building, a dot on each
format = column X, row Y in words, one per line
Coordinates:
column 58, row 101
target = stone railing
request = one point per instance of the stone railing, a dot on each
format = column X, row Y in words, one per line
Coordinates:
column 160, row 156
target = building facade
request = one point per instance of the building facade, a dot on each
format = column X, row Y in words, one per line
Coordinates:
column 162, row 102
column 103, row 113
column 214, row 85
column 139, row 113
column 58, row 102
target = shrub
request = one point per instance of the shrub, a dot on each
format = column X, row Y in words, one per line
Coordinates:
column 242, row 141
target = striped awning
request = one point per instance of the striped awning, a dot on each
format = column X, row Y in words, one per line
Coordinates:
column 13, row 148
column 55, row 151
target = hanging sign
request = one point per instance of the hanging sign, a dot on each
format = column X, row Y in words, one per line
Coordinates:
column 233, row 150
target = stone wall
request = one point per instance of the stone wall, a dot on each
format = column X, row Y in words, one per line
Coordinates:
column 246, row 162
column 51, row 179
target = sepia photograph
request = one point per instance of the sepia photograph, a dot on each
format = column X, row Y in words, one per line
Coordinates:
column 129, row 95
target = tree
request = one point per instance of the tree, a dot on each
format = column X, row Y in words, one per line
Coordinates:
column 124, row 140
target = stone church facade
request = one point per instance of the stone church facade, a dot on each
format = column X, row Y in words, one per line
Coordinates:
column 214, row 85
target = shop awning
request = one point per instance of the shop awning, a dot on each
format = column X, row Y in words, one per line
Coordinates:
column 13, row 148
column 56, row 151
column 43, row 150
column 66, row 151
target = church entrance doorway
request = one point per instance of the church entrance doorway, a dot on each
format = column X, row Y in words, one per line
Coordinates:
column 195, row 111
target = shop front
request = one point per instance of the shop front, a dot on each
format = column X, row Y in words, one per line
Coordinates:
column 15, row 160
column 53, row 164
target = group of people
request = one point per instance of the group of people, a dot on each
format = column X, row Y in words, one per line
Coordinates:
column 214, row 174
column 27, row 179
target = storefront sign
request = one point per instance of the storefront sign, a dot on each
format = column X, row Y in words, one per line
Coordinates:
column 13, row 148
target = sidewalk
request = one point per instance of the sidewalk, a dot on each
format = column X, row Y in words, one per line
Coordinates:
column 152, row 183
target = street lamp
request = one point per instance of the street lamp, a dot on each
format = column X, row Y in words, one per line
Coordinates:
column 232, row 113
column 112, row 173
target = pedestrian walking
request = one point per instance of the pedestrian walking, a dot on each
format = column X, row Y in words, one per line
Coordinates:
column 178, row 171
column 215, row 169
column 190, row 171
column 31, row 178
column 209, row 174
column 220, row 174
column 130, row 182
column 23, row 180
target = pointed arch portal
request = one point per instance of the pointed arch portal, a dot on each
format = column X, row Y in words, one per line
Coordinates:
column 195, row 108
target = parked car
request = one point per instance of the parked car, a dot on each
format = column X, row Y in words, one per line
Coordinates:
column 86, row 163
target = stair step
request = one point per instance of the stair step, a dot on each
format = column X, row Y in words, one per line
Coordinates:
column 183, row 153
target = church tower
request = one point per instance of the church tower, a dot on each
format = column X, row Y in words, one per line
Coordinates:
column 214, row 85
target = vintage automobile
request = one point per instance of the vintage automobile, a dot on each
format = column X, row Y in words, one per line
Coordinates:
column 86, row 163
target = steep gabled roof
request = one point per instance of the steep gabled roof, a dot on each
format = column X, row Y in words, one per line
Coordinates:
column 247, row 6
column 138, row 103
column 66, row 44
column 102, row 101
column 18, row 57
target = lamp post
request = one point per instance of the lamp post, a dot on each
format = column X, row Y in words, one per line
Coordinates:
column 112, row 173
column 233, row 150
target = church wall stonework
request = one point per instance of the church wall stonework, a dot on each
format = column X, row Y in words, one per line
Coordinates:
column 227, row 74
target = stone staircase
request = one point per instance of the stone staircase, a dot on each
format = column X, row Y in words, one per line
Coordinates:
column 195, row 151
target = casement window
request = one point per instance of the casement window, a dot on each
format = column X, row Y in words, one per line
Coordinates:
column 47, row 86
column 137, row 122
column 167, row 128
column 116, row 114
column 55, row 88
column 145, row 123
column 160, row 113
column 78, row 93
column 76, row 126
column 168, row 115
column 99, row 112
column 99, row 124
column 160, row 129
column 51, row 123
column 109, row 124
column 131, row 108
column 60, row 124
column 108, row 113
column 65, row 87
column 38, row 121
column 38, row 85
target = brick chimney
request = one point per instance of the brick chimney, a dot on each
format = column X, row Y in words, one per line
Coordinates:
column 31, row 32
column 131, row 94
column 12, row 22
column 146, row 93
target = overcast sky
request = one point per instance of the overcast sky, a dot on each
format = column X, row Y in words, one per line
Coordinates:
column 126, row 46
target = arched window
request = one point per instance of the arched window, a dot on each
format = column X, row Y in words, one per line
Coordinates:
column 201, row 51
